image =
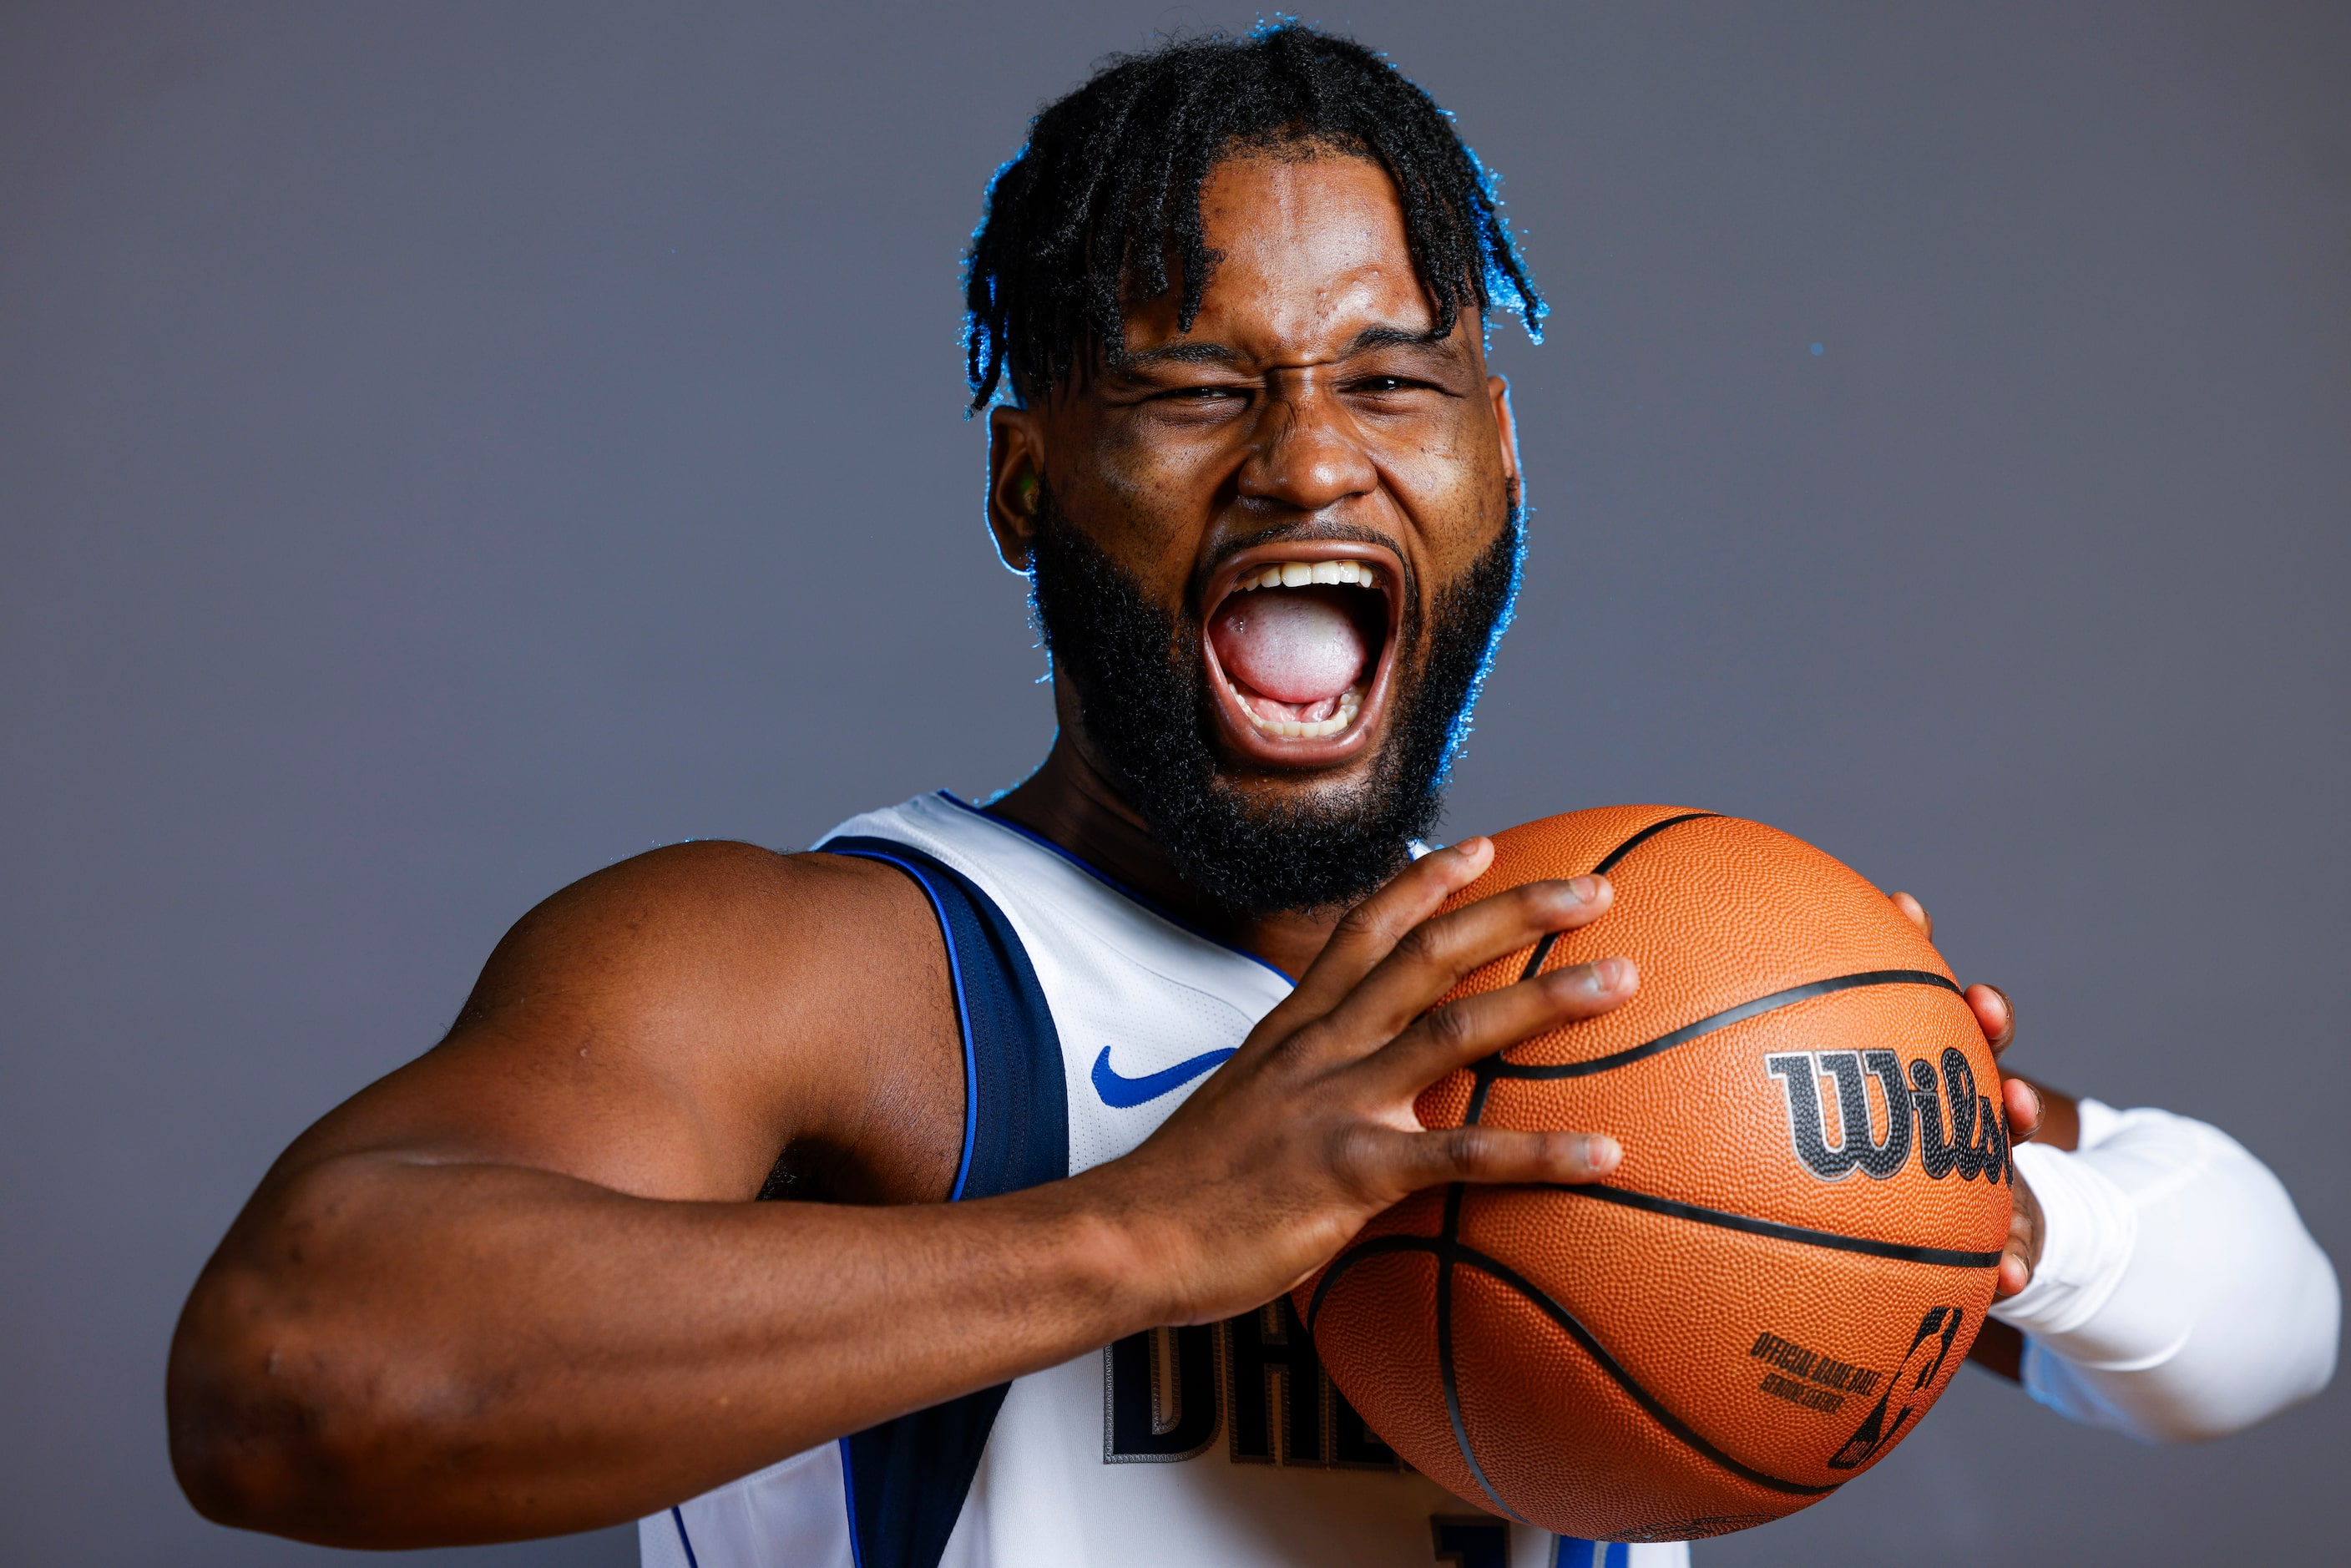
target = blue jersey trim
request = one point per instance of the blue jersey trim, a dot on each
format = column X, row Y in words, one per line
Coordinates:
column 963, row 1007
column 905, row 1482
column 678, row 1517
column 849, row 1497
column 1117, row 886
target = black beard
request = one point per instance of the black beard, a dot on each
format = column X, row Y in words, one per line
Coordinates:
column 1142, row 689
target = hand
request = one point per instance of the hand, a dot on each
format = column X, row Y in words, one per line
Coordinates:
column 1309, row 1130
column 2021, row 1100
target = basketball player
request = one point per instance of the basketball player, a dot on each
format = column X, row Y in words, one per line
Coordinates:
column 1135, row 1045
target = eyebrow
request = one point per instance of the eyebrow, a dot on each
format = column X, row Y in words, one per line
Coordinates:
column 1394, row 338
column 1178, row 354
column 1183, row 353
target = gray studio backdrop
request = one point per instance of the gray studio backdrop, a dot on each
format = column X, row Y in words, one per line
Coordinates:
column 445, row 448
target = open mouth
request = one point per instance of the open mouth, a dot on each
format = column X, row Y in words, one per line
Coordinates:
column 1299, row 642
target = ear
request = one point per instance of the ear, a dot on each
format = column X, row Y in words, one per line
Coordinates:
column 1016, row 472
column 1506, row 428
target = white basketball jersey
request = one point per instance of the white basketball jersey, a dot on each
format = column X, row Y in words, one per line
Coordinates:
column 1220, row 1445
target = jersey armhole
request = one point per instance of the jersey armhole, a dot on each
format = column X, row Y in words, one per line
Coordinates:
column 896, row 855
column 906, row 1481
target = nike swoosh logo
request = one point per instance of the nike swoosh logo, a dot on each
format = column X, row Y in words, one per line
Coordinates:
column 1125, row 1094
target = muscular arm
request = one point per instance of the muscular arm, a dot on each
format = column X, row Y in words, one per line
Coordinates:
column 516, row 1289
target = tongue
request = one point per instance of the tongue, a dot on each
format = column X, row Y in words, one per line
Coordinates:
column 1294, row 645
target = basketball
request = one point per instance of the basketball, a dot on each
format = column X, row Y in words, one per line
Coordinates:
column 1792, row 1258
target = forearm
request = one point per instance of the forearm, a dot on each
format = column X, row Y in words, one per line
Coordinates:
column 2179, row 1295
column 391, row 1354
column 394, row 1351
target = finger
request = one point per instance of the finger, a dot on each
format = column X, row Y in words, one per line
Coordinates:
column 1433, row 957
column 2022, row 1102
column 1371, row 930
column 2015, row 1273
column 1409, row 1162
column 1995, row 1015
column 1458, row 1033
column 1917, row 913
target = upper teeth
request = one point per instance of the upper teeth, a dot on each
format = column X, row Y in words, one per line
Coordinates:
column 1301, row 573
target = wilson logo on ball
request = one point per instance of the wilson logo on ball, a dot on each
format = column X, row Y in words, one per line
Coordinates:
column 1560, row 1354
column 1957, row 1131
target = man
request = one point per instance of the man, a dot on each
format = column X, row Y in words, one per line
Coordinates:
column 1033, row 1080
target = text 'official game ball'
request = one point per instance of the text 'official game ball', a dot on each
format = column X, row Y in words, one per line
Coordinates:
column 1792, row 1258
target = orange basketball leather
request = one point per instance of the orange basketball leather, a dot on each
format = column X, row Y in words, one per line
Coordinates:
column 1762, row 1300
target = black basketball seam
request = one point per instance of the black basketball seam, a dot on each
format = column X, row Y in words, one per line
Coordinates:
column 1836, row 1240
column 1448, row 1251
column 1608, row 864
column 1608, row 861
column 1625, row 1379
column 1535, row 959
column 1445, row 1351
column 1498, row 1068
column 1483, row 1073
column 1378, row 1247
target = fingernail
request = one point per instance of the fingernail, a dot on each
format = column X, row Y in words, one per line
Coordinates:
column 1595, row 979
column 1601, row 1152
column 1592, row 977
column 1573, row 894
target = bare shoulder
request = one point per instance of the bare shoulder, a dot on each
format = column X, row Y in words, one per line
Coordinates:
column 669, row 1025
column 713, row 924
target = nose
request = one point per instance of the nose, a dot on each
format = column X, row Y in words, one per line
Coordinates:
column 1307, row 453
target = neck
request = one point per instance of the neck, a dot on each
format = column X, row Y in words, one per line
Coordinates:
column 1071, row 802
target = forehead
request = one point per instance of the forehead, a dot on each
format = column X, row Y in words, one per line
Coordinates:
column 1310, row 250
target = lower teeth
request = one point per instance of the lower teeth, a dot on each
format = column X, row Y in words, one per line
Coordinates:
column 1351, row 704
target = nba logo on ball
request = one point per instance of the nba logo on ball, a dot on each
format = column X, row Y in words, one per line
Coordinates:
column 1795, row 1253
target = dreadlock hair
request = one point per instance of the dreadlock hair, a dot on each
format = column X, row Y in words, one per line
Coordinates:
column 1086, row 218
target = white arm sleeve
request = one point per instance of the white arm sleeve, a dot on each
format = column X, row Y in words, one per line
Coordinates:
column 2177, row 1296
